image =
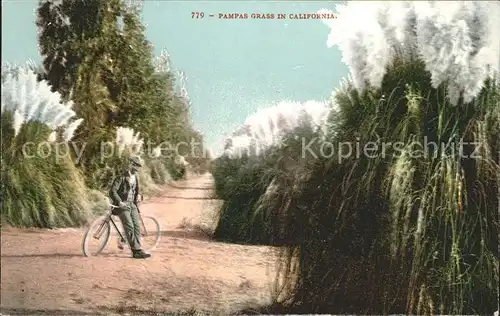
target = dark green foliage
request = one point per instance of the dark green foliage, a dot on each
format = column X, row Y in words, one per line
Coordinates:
column 401, row 233
column 407, row 230
column 39, row 191
column 237, row 221
column 251, row 187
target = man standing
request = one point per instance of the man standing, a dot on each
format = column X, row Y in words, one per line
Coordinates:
column 124, row 193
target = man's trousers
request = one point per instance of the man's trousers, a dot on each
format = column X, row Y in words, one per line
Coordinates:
column 131, row 224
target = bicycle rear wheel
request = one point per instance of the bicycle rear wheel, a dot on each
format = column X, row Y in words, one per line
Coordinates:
column 96, row 237
column 150, row 233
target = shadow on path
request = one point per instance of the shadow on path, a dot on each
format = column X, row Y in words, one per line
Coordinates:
column 20, row 311
column 187, row 234
column 53, row 255
column 133, row 310
column 190, row 188
column 187, row 197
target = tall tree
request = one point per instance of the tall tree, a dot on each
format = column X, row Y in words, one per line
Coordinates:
column 96, row 54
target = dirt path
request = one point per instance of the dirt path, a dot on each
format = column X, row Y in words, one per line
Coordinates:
column 43, row 270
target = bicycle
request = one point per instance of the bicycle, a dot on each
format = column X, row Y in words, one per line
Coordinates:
column 150, row 237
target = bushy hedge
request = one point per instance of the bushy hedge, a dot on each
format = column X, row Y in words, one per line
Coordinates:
column 40, row 191
column 252, row 188
column 427, row 224
column 396, row 233
column 410, row 227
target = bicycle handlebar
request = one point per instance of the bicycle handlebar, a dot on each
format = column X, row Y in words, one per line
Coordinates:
column 117, row 206
column 138, row 202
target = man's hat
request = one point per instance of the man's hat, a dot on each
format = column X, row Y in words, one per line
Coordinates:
column 136, row 161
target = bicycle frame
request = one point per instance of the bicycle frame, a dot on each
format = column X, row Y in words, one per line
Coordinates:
column 109, row 218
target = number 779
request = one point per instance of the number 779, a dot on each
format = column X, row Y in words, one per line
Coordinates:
column 197, row 15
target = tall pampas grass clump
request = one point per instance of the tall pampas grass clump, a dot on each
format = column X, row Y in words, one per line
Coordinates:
column 412, row 226
column 257, row 162
column 41, row 187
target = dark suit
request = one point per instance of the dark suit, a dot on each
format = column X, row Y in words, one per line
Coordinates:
column 121, row 192
column 120, row 189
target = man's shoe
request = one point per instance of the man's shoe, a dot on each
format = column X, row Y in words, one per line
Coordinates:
column 140, row 255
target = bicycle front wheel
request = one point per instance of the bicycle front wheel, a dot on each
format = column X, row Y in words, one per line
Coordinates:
column 150, row 233
column 96, row 237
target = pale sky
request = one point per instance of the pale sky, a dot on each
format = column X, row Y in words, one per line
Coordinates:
column 234, row 67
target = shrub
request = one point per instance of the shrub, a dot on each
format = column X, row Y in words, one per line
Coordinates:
column 38, row 191
column 255, row 167
column 404, row 232
column 159, row 172
column 411, row 230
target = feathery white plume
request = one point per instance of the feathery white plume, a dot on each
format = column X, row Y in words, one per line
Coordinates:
column 32, row 100
column 459, row 42
column 267, row 126
column 127, row 138
column 52, row 137
column 156, row 152
column 69, row 132
column 18, row 121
